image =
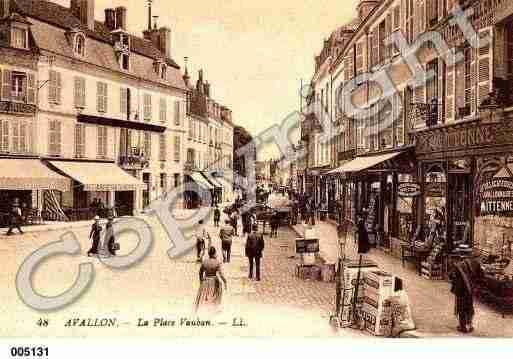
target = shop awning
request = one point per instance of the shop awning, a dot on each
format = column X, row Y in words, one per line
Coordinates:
column 30, row 174
column 201, row 181
column 363, row 163
column 212, row 180
column 101, row 177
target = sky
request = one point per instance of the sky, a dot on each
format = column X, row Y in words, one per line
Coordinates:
column 253, row 52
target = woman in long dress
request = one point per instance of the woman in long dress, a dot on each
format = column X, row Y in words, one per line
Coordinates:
column 210, row 293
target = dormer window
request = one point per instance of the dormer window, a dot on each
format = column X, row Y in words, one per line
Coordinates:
column 20, row 38
column 80, row 45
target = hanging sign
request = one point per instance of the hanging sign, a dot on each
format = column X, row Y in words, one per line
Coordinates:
column 496, row 197
column 408, row 189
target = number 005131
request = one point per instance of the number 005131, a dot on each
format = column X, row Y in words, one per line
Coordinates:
column 29, row 352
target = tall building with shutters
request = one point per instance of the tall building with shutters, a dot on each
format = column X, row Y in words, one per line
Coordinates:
column 209, row 146
column 439, row 146
column 102, row 109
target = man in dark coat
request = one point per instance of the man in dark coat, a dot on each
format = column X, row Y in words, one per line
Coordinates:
column 363, row 236
column 15, row 217
column 96, row 229
column 254, row 248
column 464, row 278
column 217, row 216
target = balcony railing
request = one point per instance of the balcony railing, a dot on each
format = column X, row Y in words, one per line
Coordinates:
column 134, row 160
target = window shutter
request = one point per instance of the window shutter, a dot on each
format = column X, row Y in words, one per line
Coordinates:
column 31, row 89
column 6, row 85
column 77, row 92
column 177, row 148
column 163, row 110
column 473, row 75
column 58, row 137
column 485, row 66
column 4, row 136
column 389, row 47
column 449, row 93
column 23, row 137
column 177, row 113
column 105, row 97
column 58, row 87
column 52, row 91
column 375, row 47
column 15, row 136
column 123, row 100
column 162, row 152
column 459, row 86
column 99, row 100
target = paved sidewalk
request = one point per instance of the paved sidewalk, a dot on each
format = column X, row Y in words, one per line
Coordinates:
column 432, row 302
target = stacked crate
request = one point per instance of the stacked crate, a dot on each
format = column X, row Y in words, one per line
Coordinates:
column 348, row 285
column 376, row 310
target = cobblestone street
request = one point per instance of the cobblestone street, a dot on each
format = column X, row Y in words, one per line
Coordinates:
column 279, row 306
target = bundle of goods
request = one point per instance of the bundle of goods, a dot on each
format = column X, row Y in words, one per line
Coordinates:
column 401, row 317
column 435, row 256
column 432, row 271
column 308, row 272
column 328, row 273
column 376, row 311
column 348, row 287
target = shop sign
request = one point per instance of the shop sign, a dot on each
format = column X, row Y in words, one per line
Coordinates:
column 464, row 137
column 435, row 189
column 409, row 190
column 307, row 246
column 496, row 197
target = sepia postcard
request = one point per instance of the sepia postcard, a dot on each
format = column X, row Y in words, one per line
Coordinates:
column 255, row 169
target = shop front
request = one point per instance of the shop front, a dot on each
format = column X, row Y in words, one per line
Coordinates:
column 99, row 188
column 35, row 186
column 197, row 187
column 467, row 188
column 371, row 187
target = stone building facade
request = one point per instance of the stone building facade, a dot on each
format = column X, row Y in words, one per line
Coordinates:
column 449, row 135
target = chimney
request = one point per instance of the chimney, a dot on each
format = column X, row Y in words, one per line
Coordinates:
column 199, row 84
column 5, row 8
column 365, row 7
column 207, row 89
column 110, row 19
column 84, row 11
column 165, row 41
column 121, row 17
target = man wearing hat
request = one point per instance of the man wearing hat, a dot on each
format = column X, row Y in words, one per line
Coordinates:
column 16, row 218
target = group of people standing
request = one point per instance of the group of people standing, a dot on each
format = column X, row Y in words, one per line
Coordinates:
column 212, row 279
column 107, row 247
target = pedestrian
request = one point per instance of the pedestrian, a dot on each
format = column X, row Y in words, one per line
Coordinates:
column 226, row 235
column 217, row 216
column 15, row 217
column 363, row 236
column 200, row 243
column 96, row 229
column 246, row 223
column 234, row 217
column 254, row 248
column 110, row 246
column 210, row 292
column 275, row 223
column 464, row 278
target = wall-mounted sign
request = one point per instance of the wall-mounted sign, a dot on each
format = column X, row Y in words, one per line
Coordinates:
column 408, row 189
column 496, row 197
column 307, row 246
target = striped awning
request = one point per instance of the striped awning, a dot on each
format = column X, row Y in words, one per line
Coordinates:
column 212, row 180
column 99, row 176
column 201, row 181
column 30, row 174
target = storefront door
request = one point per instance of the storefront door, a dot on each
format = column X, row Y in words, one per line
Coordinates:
column 459, row 209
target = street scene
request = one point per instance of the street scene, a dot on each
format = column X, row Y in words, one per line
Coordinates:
column 184, row 171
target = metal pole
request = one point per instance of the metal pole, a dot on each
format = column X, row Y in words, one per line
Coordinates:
column 357, row 287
